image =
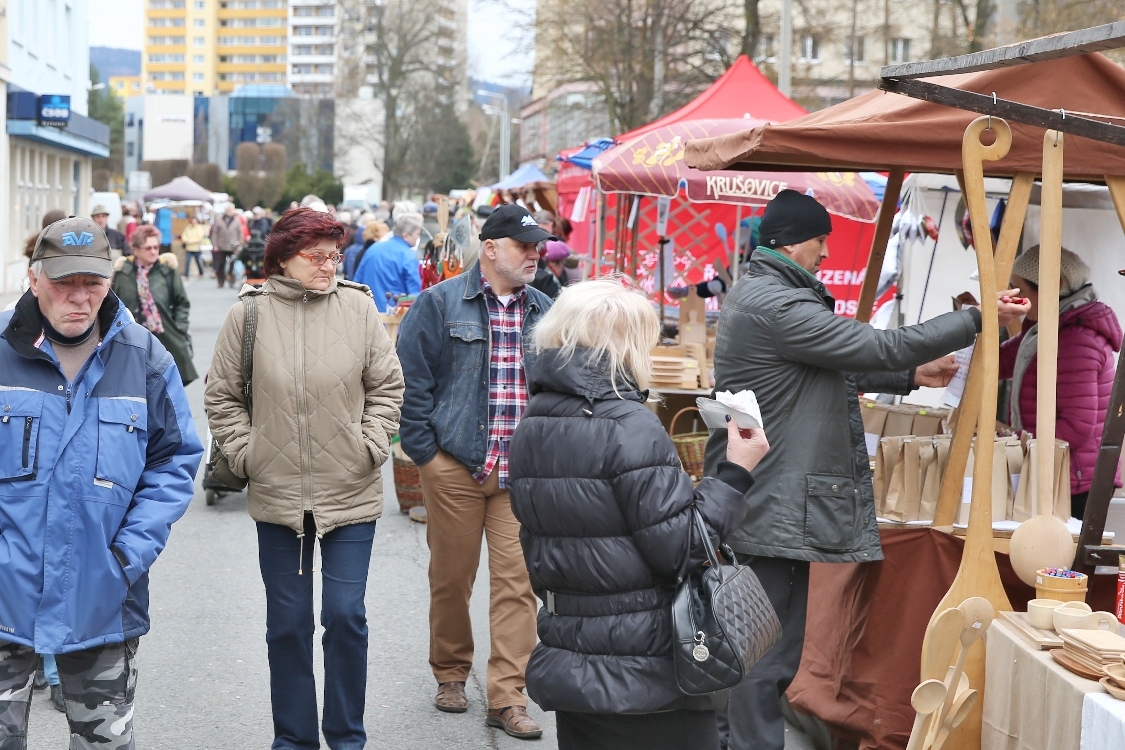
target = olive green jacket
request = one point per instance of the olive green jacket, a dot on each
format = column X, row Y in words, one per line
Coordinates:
column 172, row 302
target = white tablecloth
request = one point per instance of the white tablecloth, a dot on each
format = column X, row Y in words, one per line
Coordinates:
column 1103, row 722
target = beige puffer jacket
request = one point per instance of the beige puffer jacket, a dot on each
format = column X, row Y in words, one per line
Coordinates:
column 327, row 389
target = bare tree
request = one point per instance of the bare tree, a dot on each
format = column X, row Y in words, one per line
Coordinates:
column 400, row 57
column 647, row 57
column 261, row 173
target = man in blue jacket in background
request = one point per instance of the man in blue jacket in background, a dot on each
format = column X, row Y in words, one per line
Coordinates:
column 391, row 267
column 98, row 454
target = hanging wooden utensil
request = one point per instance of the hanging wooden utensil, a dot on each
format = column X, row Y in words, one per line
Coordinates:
column 978, row 575
column 963, row 704
column 978, row 614
column 927, row 698
column 1043, row 541
column 952, row 481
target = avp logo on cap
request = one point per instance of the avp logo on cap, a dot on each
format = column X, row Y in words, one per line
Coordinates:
column 70, row 238
column 528, row 220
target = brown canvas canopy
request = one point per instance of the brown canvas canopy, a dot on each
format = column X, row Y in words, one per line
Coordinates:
column 878, row 131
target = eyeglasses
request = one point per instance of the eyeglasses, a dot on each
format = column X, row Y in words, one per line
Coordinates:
column 317, row 259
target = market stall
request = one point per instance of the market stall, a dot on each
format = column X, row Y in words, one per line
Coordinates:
column 897, row 134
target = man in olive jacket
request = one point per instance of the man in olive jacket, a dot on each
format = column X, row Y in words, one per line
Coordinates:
column 812, row 499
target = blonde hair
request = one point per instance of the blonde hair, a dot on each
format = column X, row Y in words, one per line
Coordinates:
column 375, row 230
column 606, row 316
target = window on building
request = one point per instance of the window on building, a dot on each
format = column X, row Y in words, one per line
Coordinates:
column 130, row 148
column 197, row 59
column 199, row 23
column 810, row 49
column 200, row 4
column 302, row 70
column 198, row 41
column 197, row 77
column 176, row 76
column 269, row 41
column 129, row 120
column 165, row 4
column 854, row 49
column 322, row 69
column 899, row 50
column 324, row 49
column 303, row 31
column 166, row 41
column 767, row 47
column 303, row 49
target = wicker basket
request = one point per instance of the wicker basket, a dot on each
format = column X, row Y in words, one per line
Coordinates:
column 690, row 445
column 408, row 483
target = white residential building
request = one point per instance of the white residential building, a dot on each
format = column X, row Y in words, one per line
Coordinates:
column 314, row 29
column 158, row 127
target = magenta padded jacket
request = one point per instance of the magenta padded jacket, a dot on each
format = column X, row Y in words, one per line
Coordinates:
column 1088, row 337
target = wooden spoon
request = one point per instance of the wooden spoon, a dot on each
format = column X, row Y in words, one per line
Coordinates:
column 941, row 644
column 1043, row 540
column 978, row 616
column 927, row 698
column 962, row 705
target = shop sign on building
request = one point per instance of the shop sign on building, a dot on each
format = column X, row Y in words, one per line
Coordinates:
column 54, row 110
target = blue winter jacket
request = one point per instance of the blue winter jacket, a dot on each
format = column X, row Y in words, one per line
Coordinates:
column 92, row 475
column 389, row 267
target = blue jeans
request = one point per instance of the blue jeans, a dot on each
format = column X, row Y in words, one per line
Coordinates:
column 190, row 256
column 345, row 558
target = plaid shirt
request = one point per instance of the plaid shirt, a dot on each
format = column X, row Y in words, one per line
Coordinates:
column 507, row 386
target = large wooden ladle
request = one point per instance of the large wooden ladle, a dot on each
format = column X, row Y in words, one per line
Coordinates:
column 1043, row 540
column 978, row 574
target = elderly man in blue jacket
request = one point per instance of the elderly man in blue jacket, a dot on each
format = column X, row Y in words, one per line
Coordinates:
column 98, row 455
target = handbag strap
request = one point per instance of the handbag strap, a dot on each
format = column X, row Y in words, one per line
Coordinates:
column 712, row 557
column 249, row 330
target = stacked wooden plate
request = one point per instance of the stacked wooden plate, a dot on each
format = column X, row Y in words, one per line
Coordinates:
column 675, row 372
column 1093, row 650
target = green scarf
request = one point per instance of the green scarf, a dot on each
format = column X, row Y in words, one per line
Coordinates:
column 785, row 258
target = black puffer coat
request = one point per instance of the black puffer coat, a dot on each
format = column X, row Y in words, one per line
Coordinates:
column 605, row 511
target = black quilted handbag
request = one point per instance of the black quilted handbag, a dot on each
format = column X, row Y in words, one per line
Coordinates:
column 722, row 621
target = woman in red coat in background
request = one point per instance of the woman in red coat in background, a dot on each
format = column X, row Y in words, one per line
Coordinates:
column 1089, row 334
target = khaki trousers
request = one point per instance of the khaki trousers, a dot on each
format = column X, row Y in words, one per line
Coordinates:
column 459, row 512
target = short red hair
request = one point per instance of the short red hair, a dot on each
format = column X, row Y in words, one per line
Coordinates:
column 141, row 235
column 299, row 229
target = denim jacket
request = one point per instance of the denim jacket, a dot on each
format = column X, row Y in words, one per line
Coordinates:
column 444, row 346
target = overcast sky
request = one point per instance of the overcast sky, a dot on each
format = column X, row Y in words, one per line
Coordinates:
column 493, row 54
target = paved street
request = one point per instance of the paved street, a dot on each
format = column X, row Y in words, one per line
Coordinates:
column 203, row 671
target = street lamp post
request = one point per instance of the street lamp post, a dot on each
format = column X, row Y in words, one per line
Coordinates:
column 505, row 135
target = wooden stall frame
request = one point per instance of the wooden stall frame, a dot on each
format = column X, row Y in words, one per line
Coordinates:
column 887, row 210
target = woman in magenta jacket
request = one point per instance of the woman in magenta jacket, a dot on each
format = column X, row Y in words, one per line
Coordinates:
column 1089, row 334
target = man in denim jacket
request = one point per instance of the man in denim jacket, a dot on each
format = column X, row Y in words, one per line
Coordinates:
column 465, row 348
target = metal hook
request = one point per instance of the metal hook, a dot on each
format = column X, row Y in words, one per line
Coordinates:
column 990, row 116
column 1063, row 111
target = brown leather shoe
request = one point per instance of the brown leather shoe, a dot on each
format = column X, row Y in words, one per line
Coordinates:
column 451, row 698
column 515, row 721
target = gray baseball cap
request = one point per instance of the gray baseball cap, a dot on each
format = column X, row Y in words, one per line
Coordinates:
column 73, row 246
column 99, row 209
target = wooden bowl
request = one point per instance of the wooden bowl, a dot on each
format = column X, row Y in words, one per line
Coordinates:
column 1112, row 689
column 1115, row 673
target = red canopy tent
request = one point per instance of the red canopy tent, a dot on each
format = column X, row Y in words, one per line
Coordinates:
column 742, row 92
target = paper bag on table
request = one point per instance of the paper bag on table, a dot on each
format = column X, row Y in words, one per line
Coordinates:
column 1024, row 505
column 1001, row 481
column 938, row 447
column 894, row 508
column 886, row 458
column 1013, row 451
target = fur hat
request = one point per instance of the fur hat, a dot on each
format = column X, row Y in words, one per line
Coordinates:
column 1075, row 274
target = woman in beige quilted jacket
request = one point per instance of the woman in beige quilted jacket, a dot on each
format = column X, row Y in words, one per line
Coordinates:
column 326, row 391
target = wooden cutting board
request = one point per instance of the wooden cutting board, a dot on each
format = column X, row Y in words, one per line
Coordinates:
column 1101, row 641
column 1044, row 640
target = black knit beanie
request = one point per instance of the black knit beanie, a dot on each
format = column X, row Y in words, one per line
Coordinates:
column 791, row 218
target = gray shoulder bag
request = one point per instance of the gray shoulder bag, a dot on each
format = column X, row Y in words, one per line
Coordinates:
column 219, row 468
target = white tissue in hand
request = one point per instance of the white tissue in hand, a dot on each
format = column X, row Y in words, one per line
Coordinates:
column 742, row 406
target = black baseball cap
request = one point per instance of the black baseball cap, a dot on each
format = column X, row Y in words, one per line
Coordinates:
column 516, row 222
column 73, row 246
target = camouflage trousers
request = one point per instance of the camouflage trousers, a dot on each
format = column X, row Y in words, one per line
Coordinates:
column 97, row 684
